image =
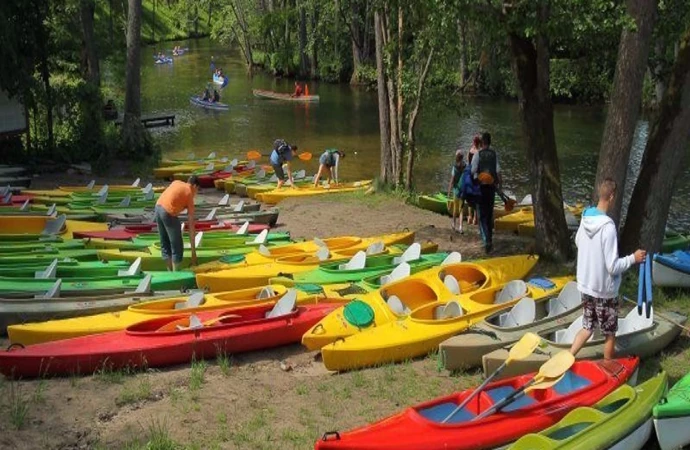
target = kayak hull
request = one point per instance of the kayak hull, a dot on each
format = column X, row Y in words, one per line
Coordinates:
column 284, row 97
column 217, row 106
column 277, row 195
column 672, row 270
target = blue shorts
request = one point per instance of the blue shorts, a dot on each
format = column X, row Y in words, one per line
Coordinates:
column 170, row 233
column 327, row 160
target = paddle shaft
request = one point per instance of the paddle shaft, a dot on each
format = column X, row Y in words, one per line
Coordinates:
column 667, row 319
column 640, row 290
column 509, row 399
column 476, row 392
column 648, row 285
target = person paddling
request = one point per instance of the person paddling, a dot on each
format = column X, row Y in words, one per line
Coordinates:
column 282, row 154
column 298, row 90
column 329, row 162
column 176, row 198
column 487, row 172
column 599, row 271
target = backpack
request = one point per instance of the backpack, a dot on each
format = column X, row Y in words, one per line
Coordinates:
column 457, row 176
column 470, row 189
column 281, row 147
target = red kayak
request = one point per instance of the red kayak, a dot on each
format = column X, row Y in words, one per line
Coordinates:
column 17, row 200
column 115, row 235
column 254, row 228
column 167, row 341
column 420, row 427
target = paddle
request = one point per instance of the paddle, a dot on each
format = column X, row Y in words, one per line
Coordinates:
column 648, row 284
column 254, row 154
column 549, row 374
column 521, row 350
column 508, row 202
column 640, row 290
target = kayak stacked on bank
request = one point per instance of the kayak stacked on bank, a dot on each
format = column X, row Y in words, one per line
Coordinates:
column 277, row 195
column 672, row 269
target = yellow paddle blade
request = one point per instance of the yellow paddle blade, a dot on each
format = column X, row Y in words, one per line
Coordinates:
column 304, row 156
column 556, row 366
column 523, row 348
column 545, row 384
column 253, row 155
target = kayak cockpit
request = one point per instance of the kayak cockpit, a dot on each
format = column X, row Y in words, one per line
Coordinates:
column 409, row 295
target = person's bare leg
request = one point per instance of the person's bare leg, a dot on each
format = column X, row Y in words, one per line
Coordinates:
column 610, row 346
column 318, row 175
column 461, row 217
column 280, row 184
column 580, row 340
column 169, row 264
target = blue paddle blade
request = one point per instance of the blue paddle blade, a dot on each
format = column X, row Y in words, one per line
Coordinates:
column 640, row 289
column 648, row 284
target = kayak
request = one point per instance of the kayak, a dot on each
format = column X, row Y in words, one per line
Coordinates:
column 522, row 220
column 620, row 421
column 258, row 267
column 165, row 172
column 420, row 332
column 29, row 225
column 285, row 97
column 672, row 417
column 152, row 259
column 420, row 427
column 28, row 310
column 214, row 239
column 437, row 203
column 674, row 241
column 78, row 286
column 196, row 302
column 134, row 187
column 46, row 258
column 505, row 328
column 278, row 195
column 672, row 269
column 191, row 158
column 253, row 190
column 217, row 106
column 362, row 267
column 380, row 307
column 167, row 341
column 66, row 268
column 35, row 247
column 637, row 335
column 202, row 225
column 264, row 217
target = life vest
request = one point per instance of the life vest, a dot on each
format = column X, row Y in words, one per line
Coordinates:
column 486, row 171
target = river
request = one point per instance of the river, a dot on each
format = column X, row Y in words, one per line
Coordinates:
column 347, row 118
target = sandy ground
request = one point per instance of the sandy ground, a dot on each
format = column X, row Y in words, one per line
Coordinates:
column 247, row 401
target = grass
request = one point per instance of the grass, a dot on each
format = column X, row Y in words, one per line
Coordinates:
column 18, row 405
column 135, row 393
column 157, row 438
column 106, row 374
column 196, row 377
column 39, row 394
column 224, row 363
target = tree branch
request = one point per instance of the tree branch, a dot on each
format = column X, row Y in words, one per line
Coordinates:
column 418, row 99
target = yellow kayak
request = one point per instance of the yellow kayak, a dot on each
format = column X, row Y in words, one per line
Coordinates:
column 512, row 222
column 34, row 225
column 46, row 193
column 278, row 195
column 35, row 333
column 251, row 272
column 163, row 173
column 372, row 310
column 111, row 188
column 427, row 326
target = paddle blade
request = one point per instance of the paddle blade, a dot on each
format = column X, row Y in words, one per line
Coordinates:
column 305, row 156
column 545, row 383
column 523, row 348
column 253, row 155
column 556, row 366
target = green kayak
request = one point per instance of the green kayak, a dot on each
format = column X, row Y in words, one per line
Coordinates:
column 215, row 239
column 620, row 421
column 437, row 203
column 66, row 268
column 153, row 260
column 672, row 416
column 674, row 241
column 83, row 286
column 40, row 247
column 373, row 266
column 47, row 258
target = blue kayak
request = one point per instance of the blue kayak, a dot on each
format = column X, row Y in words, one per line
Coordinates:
column 679, row 260
column 164, row 61
column 208, row 105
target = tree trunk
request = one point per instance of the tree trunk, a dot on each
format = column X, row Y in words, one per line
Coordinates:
column 386, row 175
column 662, row 162
column 412, row 123
column 356, row 64
column 626, row 100
column 45, row 78
column 462, row 30
column 132, row 130
column 399, row 115
column 93, row 71
column 314, row 47
column 531, row 66
column 303, row 58
column 110, row 22
column 210, row 11
column 657, row 70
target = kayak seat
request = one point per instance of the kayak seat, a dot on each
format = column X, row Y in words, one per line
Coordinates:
column 284, row 306
column 397, row 306
column 448, row 311
column 375, row 248
column 451, row 283
column 401, row 271
column 194, row 323
column 570, row 383
column 511, row 291
column 453, row 258
column 322, row 253
column 412, row 253
column 357, row 262
column 634, row 322
column 193, row 301
column 439, row 412
column 568, row 299
column 567, row 336
column 499, row 393
column 522, row 313
column 266, row 292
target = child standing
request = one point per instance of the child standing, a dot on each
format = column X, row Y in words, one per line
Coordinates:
column 599, row 271
column 455, row 192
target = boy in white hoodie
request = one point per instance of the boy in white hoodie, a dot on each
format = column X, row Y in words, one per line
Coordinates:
column 599, row 271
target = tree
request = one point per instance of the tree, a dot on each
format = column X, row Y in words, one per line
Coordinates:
column 626, row 99
column 133, row 135
column 93, row 71
column 234, row 27
column 663, row 160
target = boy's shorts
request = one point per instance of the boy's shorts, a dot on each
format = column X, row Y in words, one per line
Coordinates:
column 600, row 312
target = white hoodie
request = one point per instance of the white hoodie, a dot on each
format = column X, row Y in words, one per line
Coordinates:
column 599, row 268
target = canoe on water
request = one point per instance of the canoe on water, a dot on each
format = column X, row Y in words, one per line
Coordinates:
column 395, row 301
column 167, row 341
column 285, row 97
column 174, row 305
column 637, row 335
column 672, row 417
column 277, row 195
column 217, row 106
column 672, row 269
column 421, row 332
column 620, row 421
column 420, row 427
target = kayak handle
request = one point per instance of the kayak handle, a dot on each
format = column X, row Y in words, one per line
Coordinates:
column 318, row 325
column 15, row 345
column 328, row 434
